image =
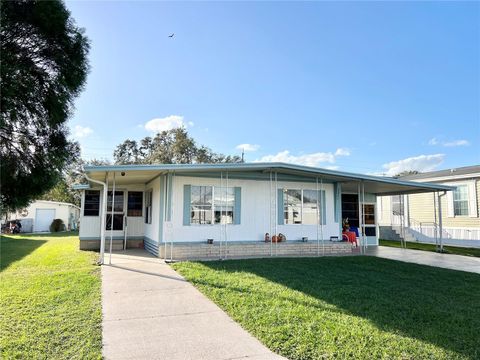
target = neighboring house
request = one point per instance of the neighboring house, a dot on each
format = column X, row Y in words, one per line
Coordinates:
column 460, row 215
column 38, row 216
column 173, row 210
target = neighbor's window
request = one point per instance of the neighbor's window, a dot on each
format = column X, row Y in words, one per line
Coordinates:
column 148, row 207
column 212, row 205
column 135, row 203
column 460, row 200
column 301, row 206
column 91, row 206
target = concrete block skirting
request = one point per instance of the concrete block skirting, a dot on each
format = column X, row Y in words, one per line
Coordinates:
column 203, row 251
column 117, row 244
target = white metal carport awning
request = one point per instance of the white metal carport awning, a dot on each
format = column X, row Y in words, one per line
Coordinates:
column 143, row 174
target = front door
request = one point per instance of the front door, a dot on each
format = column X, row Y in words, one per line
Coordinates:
column 118, row 211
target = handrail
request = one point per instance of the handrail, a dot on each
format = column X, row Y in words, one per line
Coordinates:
column 419, row 226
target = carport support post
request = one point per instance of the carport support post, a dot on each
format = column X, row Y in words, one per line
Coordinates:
column 360, row 216
column 170, row 215
column 271, row 210
column 103, row 222
column 102, row 214
column 363, row 219
column 435, row 224
column 226, row 222
column 440, row 224
column 318, row 215
column 222, row 189
column 322, row 199
column 276, row 211
column 164, row 219
column 111, row 222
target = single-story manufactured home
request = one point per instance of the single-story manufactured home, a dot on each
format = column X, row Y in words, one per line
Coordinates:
column 38, row 216
column 186, row 211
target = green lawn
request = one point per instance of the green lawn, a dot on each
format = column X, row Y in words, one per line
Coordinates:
column 50, row 303
column 347, row 307
column 431, row 247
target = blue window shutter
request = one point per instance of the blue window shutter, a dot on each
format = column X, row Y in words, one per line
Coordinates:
column 187, row 193
column 337, row 201
column 323, row 208
column 237, row 213
column 280, row 214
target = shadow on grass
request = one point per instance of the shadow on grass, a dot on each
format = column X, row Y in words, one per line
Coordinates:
column 14, row 248
column 439, row 306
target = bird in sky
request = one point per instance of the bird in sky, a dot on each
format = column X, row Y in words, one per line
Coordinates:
column 170, row 36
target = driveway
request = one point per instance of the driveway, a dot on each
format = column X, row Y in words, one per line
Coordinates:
column 151, row 312
column 447, row 261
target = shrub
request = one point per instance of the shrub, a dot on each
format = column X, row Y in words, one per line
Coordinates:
column 57, row 225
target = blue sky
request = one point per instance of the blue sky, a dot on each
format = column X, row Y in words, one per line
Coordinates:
column 371, row 87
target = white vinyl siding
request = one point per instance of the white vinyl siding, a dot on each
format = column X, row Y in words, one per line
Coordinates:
column 472, row 199
column 257, row 206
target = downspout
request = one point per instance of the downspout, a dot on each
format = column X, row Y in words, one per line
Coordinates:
column 102, row 214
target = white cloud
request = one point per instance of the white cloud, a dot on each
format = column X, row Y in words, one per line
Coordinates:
column 191, row 123
column 81, row 131
column 167, row 123
column 342, row 152
column 313, row 159
column 433, row 141
column 462, row 142
column 247, row 147
column 419, row 163
column 456, row 143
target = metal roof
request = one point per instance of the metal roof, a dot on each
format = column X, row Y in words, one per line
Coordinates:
column 466, row 170
column 374, row 184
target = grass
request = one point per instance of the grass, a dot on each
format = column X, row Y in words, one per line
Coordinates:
column 431, row 247
column 347, row 307
column 50, row 303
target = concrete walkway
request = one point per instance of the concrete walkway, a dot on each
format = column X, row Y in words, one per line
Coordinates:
column 447, row 261
column 151, row 312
